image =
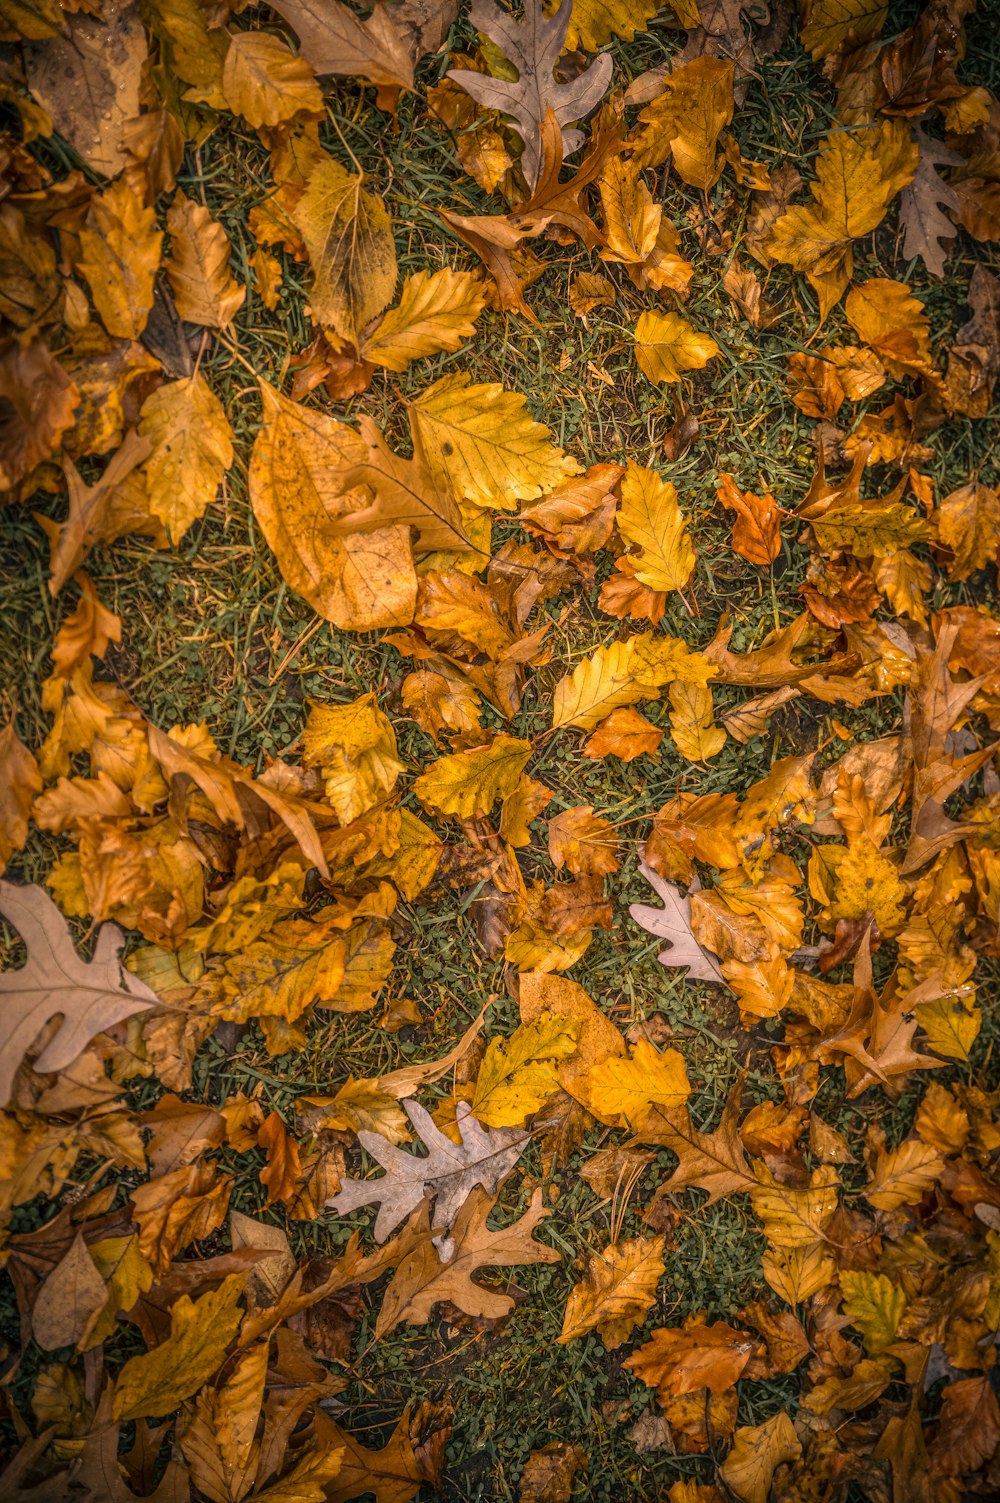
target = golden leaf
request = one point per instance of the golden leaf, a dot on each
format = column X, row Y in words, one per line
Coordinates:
column 354, row 747
column 857, row 175
column 436, row 311
column 348, row 236
column 827, row 23
column 582, row 841
column 193, row 449
column 593, row 23
column 969, row 524
column 625, row 734
column 158, row 1381
column 650, row 518
column 630, row 1090
column 695, row 1356
column 119, row 257
column 265, row 82
column 518, row 1075
column 617, row 1290
column 357, row 581
column 486, row 442
column 875, row 1306
column 198, row 266
column 695, row 734
column 686, row 120
column 903, row 1175
column 890, row 321
column 758, row 1450
column 666, row 345
column 467, row 784
column 20, row 783
column 597, row 1039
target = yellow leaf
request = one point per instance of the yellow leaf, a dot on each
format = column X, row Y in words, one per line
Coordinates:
column 685, row 121
column 119, row 256
column 593, row 23
column 666, row 345
column 893, row 323
column 517, row 1075
column 354, row 747
column 126, row 1274
column 901, row 1176
column 797, row 1273
column 874, row 1305
column 582, row 841
column 436, row 311
column 857, row 175
column 597, row 1039
column 951, row 1025
column 198, row 268
column 282, row 975
column 265, row 82
column 827, row 23
column 599, row 684
column 218, row 1442
column 616, row 1292
column 758, row 1450
column 941, row 1121
column 631, row 219
column 359, row 1106
column 795, row 1218
column 193, row 450
column 158, row 1381
column 485, row 441
column 696, row 736
column 467, row 784
column 650, row 518
column 348, row 236
column 630, row 1090
column 358, row 581
column 969, row 524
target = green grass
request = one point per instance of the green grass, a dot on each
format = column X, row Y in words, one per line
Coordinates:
column 211, row 632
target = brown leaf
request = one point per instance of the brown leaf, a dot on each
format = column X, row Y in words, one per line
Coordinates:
column 39, row 401
column 550, row 1472
column 969, row 1428
column 20, row 782
column 679, row 1361
column 757, row 529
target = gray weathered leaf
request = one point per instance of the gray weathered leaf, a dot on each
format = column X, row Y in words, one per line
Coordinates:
column 89, row 80
column 533, row 45
column 928, row 230
column 672, row 922
column 91, row 995
column 484, row 1157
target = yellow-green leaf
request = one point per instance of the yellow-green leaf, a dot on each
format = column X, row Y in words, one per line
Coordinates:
column 158, row 1381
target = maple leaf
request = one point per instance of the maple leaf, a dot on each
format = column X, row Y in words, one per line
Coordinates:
column 448, row 1172
column 533, row 44
column 617, row 1290
column 672, row 922
column 348, row 236
column 425, row 1278
column 666, row 345
column 678, row 1361
column 857, row 176
column 90, row 996
column 198, row 266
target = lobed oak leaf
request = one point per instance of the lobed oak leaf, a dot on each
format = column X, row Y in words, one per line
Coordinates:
column 758, row 1451
column 666, row 345
column 198, row 266
column 88, row 996
column 426, row 1276
column 713, row 1161
column 617, row 1290
column 635, row 1090
column 672, row 922
column 929, row 232
column 448, row 1172
column 518, row 1075
column 265, row 82
column 692, row 1357
column 347, row 234
column 533, row 44
column 625, row 734
column 158, row 1381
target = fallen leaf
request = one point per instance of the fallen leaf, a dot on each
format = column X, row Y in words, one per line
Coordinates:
column 666, row 345
column 758, row 1450
column 158, row 1381
column 265, row 82
column 348, row 237
column 757, row 529
column 20, row 783
column 694, row 1356
column 672, row 922
column 616, row 1292
column 119, row 258
column 198, row 266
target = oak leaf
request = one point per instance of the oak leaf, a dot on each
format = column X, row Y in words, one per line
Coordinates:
column 413, row 1455
column 198, row 266
column 426, row 1276
column 448, row 1172
column 89, row 996
column 616, row 1292
column 712, row 1161
column 929, row 232
column 533, row 44
column 672, row 922
column 666, row 345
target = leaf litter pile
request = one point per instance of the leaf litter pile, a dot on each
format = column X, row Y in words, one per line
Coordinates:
column 520, row 1025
